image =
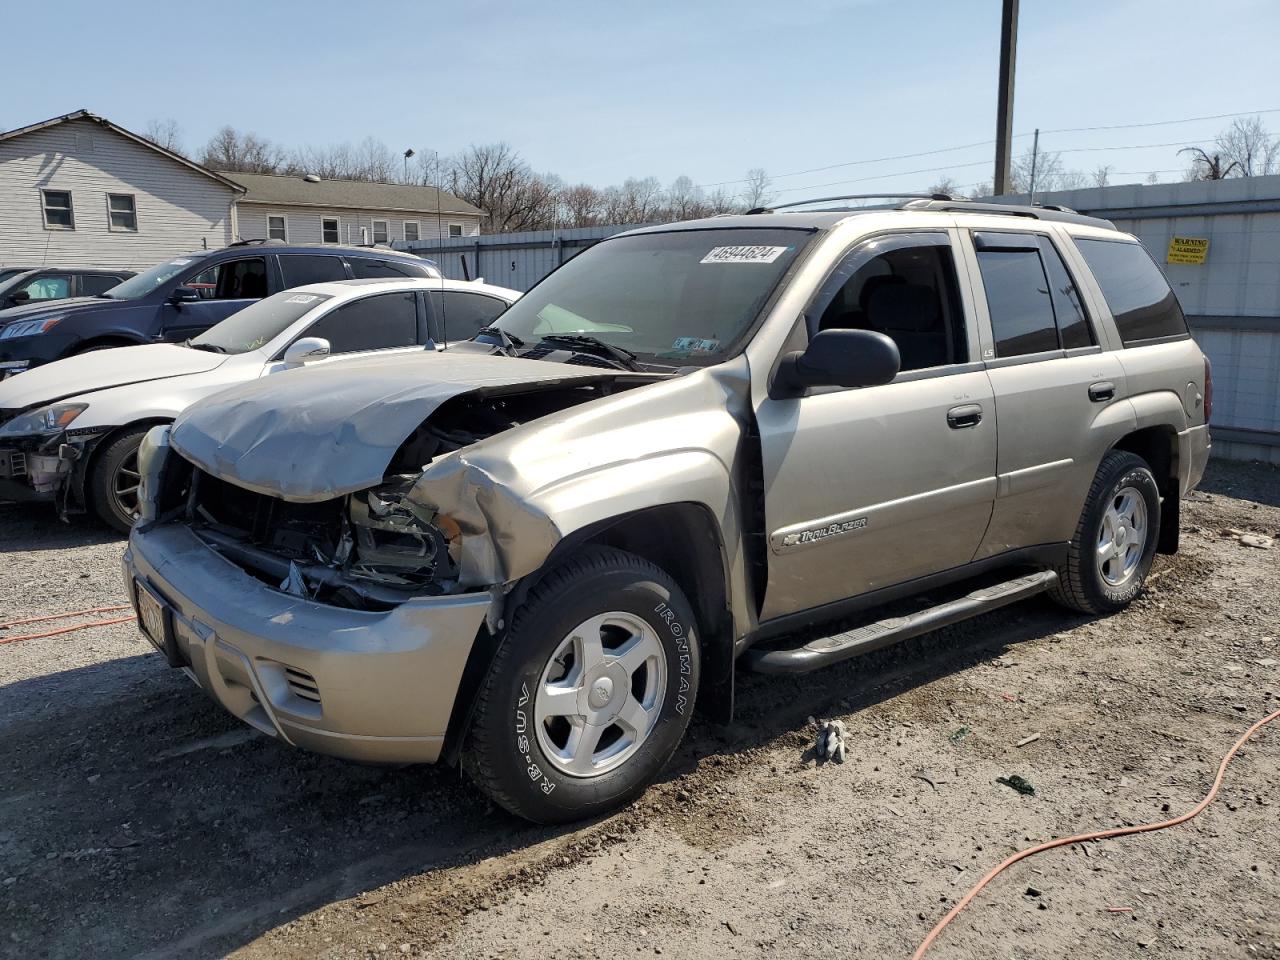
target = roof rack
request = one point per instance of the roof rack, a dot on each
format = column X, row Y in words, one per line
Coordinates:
column 942, row 202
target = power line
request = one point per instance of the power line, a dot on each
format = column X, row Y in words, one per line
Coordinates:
column 985, row 143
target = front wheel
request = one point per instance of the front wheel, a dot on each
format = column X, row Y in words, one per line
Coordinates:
column 590, row 692
column 1115, row 541
column 114, row 480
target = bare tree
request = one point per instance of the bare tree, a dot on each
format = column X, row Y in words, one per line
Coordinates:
column 231, row 150
column 946, row 185
column 1153, row 177
column 1050, row 173
column 166, row 133
column 1209, row 166
column 685, row 199
column 1101, row 175
column 498, row 181
column 757, row 189
column 1248, row 143
column 982, row 191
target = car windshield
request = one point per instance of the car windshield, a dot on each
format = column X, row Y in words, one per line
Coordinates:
column 148, row 280
column 259, row 323
column 683, row 296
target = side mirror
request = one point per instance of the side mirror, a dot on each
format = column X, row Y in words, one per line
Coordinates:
column 305, row 350
column 182, row 295
column 19, row 296
column 840, row 358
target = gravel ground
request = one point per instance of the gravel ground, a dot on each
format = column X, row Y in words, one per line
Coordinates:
column 137, row 819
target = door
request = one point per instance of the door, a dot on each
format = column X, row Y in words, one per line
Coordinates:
column 1051, row 380
column 867, row 488
column 224, row 288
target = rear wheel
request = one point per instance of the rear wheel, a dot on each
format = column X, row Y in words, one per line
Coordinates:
column 590, row 692
column 114, row 481
column 1115, row 540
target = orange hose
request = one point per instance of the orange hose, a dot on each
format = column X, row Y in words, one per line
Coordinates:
column 1100, row 835
column 61, row 630
column 60, row 616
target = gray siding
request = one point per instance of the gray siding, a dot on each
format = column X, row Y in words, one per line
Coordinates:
column 303, row 223
column 178, row 209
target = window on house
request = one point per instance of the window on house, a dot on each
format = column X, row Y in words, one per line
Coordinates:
column 455, row 229
column 379, row 231
column 122, row 213
column 57, row 210
column 411, row 230
column 329, row 230
column 1135, row 290
column 277, row 229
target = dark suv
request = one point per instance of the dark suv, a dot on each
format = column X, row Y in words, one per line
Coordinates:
column 183, row 297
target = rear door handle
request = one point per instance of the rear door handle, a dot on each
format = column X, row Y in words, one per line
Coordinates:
column 967, row 415
column 1102, row 391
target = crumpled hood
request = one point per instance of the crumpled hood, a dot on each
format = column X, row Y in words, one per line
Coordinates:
column 321, row 432
column 101, row 369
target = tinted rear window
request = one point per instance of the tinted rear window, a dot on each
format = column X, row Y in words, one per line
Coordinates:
column 1136, row 291
column 301, row 269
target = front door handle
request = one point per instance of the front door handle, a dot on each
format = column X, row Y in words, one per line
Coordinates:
column 1102, row 391
column 967, row 415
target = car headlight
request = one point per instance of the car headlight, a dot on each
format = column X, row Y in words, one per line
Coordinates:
column 51, row 419
column 29, row 328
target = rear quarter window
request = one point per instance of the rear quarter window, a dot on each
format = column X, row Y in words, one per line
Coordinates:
column 1136, row 292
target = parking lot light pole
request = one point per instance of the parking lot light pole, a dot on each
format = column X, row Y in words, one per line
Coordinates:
column 1004, row 104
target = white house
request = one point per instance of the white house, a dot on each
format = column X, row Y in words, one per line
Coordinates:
column 78, row 190
column 311, row 210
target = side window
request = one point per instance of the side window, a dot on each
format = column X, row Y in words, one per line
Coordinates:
column 372, row 323
column 1073, row 322
column 1136, row 292
column 329, row 231
column 232, row 280
column 303, row 269
column 366, row 268
column 277, row 227
column 1018, row 300
column 47, row 288
column 93, row 284
column 908, row 292
column 465, row 314
column 380, row 231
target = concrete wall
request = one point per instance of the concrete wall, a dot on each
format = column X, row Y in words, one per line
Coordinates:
column 178, row 209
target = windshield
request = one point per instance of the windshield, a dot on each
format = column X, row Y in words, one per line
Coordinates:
column 686, row 296
column 148, row 280
column 259, row 323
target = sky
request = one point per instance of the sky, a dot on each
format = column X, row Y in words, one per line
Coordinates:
column 600, row 91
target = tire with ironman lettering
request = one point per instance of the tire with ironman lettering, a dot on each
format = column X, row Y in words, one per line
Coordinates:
column 590, row 691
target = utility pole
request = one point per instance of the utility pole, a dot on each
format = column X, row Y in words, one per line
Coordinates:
column 1035, row 153
column 1004, row 102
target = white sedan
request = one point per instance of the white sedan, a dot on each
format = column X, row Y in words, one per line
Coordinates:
column 69, row 430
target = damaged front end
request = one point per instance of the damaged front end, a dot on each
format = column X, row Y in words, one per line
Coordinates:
column 373, row 548
column 42, row 457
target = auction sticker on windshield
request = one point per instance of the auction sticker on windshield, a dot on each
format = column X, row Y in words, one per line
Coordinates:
column 302, row 298
column 743, row 254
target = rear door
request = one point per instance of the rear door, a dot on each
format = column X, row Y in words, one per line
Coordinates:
column 458, row 315
column 868, row 488
column 224, row 288
column 382, row 324
column 1051, row 380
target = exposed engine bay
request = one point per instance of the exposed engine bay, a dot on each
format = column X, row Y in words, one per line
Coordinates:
column 374, row 548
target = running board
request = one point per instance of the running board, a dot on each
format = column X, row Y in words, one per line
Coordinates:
column 851, row 643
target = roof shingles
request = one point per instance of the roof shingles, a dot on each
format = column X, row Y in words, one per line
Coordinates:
column 357, row 194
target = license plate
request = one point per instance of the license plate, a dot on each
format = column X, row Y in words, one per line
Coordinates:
column 157, row 623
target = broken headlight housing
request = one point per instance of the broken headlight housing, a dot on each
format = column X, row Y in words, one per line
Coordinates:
column 397, row 542
column 47, row 420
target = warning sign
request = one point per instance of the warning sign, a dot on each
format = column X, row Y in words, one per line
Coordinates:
column 1187, row 250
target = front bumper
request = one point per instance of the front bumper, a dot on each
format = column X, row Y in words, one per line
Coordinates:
column 369, row 686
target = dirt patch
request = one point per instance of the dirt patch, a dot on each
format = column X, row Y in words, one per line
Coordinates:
column 136, row 819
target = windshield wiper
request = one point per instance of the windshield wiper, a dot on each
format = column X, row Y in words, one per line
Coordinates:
column 506, row 341
column 211, row 347
column 584, row 343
